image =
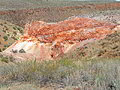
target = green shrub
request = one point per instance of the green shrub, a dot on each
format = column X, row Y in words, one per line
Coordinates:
column 5, row 38
column 14, row 28
column 4, row 60
column 19, row 29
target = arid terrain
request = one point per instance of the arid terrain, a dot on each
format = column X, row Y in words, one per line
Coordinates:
column 78, row 45
column 55, row 13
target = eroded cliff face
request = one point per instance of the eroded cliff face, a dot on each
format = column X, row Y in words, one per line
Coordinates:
column 47, row 41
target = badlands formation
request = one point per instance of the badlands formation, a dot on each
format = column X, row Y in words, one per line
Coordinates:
column 48, row 41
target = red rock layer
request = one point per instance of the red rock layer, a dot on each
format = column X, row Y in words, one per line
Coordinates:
column 48, row 41
column 76, row 29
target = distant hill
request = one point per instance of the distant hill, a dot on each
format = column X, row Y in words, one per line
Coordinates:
column 28, row 4
column 9, row 33
column 50, row 11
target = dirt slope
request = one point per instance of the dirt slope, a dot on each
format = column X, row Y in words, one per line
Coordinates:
column 9, row 33
column 105, row 48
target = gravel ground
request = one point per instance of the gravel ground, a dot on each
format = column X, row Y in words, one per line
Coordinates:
column 109, row 15
column 29, row 4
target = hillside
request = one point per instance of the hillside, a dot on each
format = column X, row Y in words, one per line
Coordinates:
column 95, row 66
column 47, row 41
column 9, row 33
column 105, row 48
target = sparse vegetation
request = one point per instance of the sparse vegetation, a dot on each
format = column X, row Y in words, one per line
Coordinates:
column 94, row 74
column 8, row 34
column 6, row 59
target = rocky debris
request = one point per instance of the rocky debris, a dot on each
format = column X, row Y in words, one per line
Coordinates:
column 21, row 51
column 48, row 41
column 14, row 51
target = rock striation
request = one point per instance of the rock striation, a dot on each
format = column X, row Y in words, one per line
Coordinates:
column 47, row 41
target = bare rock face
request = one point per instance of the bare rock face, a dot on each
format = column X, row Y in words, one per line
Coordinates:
column 47, row 41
